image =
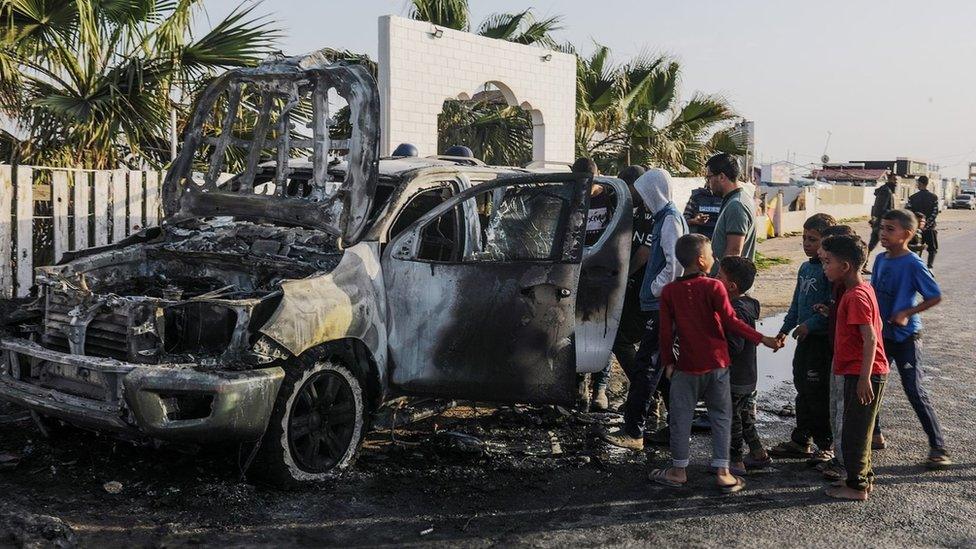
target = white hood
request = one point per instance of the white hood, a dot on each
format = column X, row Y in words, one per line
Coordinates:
column 654, row 188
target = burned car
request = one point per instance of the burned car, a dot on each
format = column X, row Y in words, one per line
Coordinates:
column 281, row 308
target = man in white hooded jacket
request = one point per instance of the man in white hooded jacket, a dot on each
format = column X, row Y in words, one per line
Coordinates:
column 655, row 191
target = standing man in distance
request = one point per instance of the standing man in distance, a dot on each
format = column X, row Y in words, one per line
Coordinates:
column 735, row 228
column 925, row 204
column 884, row 202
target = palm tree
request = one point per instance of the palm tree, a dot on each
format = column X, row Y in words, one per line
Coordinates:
column 630, row 114
column 94, row 84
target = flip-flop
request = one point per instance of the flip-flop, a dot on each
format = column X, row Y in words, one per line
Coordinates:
column 740, row 483
column 660, row 476
column 733, row 470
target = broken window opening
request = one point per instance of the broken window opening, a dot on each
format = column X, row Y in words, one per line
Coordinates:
column 516, row 223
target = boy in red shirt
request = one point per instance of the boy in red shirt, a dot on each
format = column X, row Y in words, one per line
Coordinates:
column 695, row 311
column 859, row 356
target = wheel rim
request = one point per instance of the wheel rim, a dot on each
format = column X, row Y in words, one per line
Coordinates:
column 322, row 422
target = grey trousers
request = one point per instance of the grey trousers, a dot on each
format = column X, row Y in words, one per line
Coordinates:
column 686, row 390
column 837, row 413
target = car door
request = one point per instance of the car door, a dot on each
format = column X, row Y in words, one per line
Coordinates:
column 603, row 282
column 496, row 322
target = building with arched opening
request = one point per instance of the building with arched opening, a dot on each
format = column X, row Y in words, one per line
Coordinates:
column 422, row 65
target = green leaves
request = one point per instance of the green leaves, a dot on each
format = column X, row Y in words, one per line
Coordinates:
column 93, row 82
column 452, row 14
column 630, row 114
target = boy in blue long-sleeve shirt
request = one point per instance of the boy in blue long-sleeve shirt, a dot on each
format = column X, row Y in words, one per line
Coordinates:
column 813, row 356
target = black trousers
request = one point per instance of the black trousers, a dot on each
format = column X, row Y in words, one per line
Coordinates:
column 875, row 236
column 643, row 374
column 811, row 377
column 930, row 237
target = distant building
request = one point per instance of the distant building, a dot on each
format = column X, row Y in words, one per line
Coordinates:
column 776, row 173
column 851, row 173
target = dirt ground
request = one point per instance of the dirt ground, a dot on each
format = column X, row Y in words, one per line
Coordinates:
column 526, row 476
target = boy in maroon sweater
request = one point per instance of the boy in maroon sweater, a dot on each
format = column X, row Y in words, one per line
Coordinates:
column 695, row 316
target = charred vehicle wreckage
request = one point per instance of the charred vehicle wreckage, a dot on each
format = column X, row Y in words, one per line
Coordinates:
column 282, row 307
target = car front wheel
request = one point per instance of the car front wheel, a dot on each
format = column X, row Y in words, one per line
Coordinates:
column 317, row 425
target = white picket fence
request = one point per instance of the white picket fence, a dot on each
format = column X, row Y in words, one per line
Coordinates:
column 87, row 208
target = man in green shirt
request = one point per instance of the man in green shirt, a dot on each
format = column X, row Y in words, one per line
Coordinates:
column 735, row 229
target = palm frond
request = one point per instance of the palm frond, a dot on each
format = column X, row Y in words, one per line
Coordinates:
column 452, row 14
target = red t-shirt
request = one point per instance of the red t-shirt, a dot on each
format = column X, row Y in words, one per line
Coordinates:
column 857, row 307
column 696, row 310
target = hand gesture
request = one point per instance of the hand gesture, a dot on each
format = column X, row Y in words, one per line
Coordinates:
column 801, row 332
column 699, row 219
column 900, row 318
column 668, row 370
column 773, row 343
column 865, row 393
column 781, row 338
column 821, row 309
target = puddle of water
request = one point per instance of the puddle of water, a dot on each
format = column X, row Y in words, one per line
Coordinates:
column 774, row 368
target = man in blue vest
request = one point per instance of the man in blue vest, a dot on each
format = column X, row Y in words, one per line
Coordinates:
column 654, row 191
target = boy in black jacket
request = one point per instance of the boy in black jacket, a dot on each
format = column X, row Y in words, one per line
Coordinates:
column 737, row 275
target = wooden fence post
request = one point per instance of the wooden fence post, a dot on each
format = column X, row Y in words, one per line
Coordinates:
column 59, row 211
column 81, row 210
column 135, row 201
column 152, row 198
column 101, row 213
column 118, row 205
column 6, row 233
column 25, row 230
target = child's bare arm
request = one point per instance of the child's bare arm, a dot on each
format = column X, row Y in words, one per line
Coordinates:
column 901, row 317
column 865, row 393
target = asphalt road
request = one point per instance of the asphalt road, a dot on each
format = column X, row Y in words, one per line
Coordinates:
column 531, row 477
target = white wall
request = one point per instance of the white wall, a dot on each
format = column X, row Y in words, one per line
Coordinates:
column 418, row 71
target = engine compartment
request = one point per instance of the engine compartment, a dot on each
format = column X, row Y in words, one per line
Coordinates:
column 198, row 293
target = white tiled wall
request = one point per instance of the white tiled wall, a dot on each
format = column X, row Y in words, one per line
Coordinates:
column 418, row 71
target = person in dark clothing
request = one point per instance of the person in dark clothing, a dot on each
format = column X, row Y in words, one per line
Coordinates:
column 737, row 274
column 702, row 211
column 925, row 204
column 884, row 201
column 811, row 361
column 632, row 319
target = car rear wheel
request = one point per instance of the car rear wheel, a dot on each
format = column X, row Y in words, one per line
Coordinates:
column 317, row 425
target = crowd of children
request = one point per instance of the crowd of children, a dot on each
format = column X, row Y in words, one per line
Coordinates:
column 848, row 331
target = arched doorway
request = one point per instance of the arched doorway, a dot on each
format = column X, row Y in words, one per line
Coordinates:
column 490, row 123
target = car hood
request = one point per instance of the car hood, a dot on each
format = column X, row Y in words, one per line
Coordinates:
column 268, row 101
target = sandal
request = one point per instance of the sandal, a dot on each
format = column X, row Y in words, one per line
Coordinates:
column 790, row 449
column 740, row 483
column 821, row 456
column 834, row 471
column 660, row 476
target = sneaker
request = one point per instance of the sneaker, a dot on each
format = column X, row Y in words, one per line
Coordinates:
column 820, row 456
column 791, row 449
column 621, row 439
column 833, row 470
column 938, row 459
column 600, row 402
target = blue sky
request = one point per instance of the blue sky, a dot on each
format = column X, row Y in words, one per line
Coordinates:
column 886, row 78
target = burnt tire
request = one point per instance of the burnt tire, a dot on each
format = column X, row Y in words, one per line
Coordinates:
column 318, row 422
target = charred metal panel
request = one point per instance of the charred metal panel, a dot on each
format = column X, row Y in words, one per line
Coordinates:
column 340, row 209
column 603, row 283
column 337, row 305
column 492, row 328
column 473, row 331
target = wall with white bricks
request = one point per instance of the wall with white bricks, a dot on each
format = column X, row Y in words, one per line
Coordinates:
column 418, row 71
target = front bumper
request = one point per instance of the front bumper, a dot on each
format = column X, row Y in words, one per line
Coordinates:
column 175, row 402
